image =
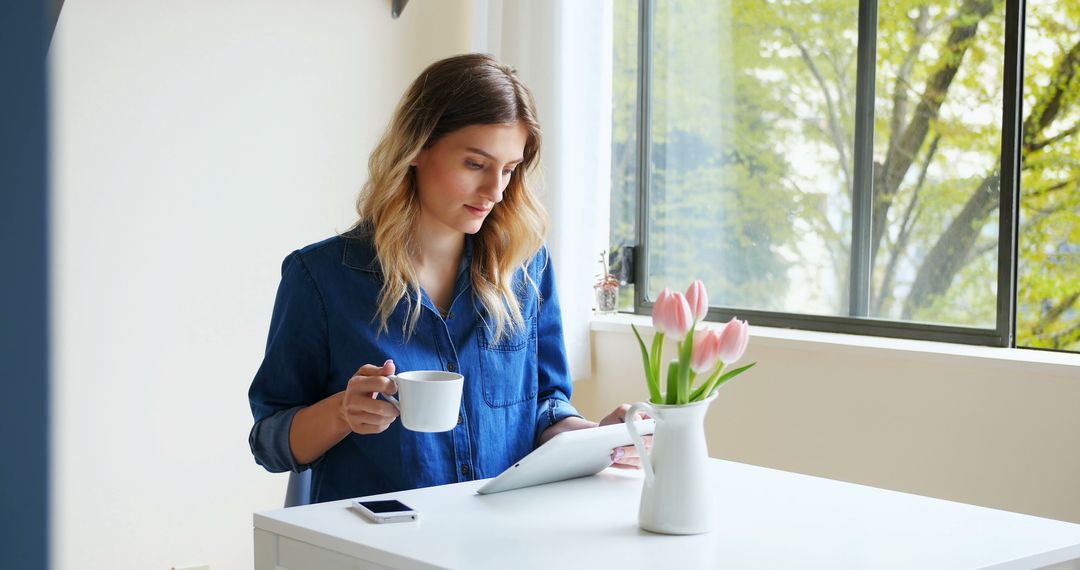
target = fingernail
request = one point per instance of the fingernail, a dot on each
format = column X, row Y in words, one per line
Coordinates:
column 388, row 361
column 617, row 454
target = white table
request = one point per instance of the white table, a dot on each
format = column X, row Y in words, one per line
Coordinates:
column 767, row 519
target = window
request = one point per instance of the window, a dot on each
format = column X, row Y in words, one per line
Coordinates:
column 1048, row 311
column 819, row 171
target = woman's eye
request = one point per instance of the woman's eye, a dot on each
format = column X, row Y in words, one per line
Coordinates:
column 474, row 165
column 508, row 171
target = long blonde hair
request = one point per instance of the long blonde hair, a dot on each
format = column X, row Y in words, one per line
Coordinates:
column 457, row 92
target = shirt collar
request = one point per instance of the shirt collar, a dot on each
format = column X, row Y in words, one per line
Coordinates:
column 360, row 251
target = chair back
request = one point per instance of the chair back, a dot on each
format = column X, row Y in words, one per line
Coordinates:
column 299, row 490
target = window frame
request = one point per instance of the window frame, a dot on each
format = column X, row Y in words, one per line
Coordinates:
column 1004, row 332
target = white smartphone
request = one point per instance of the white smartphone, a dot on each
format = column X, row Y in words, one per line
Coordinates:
column 387, row 511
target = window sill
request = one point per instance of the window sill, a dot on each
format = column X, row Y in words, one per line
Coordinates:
column 1054, row 362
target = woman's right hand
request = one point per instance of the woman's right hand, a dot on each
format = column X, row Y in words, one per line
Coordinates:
column 360, row 408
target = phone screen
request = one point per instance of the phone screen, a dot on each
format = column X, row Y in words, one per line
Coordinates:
column 380, row 507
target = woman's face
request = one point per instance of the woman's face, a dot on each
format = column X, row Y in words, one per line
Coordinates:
column 462, row 176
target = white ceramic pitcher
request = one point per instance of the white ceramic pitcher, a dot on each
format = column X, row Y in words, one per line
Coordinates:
column 677, row 495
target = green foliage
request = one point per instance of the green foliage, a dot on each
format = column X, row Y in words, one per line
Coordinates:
column 753, row 135
column 681, row 379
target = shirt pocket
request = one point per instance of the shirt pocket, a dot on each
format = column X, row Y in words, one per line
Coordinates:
column 508, row 367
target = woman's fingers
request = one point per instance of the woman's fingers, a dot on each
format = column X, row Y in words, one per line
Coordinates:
column 625, row 458
column 387, row 369
column 617, row 416
column 369, row 370
column 628, row 457
column 628, row 463
column 364, row 405
column 370, row 385
column 363, row 411
column 367, row 421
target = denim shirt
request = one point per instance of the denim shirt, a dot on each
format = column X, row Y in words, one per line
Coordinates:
column 324, row 328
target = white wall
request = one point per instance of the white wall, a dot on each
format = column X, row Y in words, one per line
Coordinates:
column 195, row 144
column 988, row 426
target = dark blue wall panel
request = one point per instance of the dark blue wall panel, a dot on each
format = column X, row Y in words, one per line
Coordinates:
column 25, row 27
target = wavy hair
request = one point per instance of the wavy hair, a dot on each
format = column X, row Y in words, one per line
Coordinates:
column 457, row 92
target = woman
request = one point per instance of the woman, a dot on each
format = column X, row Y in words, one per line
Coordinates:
column 445, row 270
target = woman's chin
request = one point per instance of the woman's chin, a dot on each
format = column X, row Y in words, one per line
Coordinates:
column 472, row 228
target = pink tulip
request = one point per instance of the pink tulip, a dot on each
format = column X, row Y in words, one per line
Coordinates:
column 698, row 299
column 671, row 315
column 660, row 311
column 733, row 340
column 706, row 350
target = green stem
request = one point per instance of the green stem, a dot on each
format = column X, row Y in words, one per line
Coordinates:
column 712, row 385
column 672, row 382
column 651, row 374
column 686, row 353
column 699, row 392
column 657, row 356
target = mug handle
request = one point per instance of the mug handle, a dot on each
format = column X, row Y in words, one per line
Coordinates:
column 393, row 378
column 639, row 443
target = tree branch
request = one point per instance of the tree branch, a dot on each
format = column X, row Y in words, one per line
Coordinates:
column 1049, row 105
column 903, row 78
column 951, row 250
column 1038, row 145
column 1053, row 188
column 1052, row 316
column 900, row 158
column 946, row 258
column 835, row 130
column 911, row 217
column 1066, row 338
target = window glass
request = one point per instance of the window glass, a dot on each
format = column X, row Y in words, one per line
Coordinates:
column 937, row 161
column 752, row 122
column 753, row 119
column 624, row 151
column 1048, row 296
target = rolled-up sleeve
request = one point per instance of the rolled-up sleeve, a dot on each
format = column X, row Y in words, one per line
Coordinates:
column 555, row 384
column 294, row 368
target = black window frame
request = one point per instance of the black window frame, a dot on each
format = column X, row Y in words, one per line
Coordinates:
column 1004, row 332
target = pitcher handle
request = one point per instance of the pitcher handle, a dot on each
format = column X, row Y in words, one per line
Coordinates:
column 639, row 443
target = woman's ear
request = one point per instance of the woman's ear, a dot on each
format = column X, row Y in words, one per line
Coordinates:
column 416, row 159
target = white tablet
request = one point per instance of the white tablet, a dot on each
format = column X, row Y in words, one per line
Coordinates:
column 576, row 453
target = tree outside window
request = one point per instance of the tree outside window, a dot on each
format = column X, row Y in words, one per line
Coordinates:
column 752, row 158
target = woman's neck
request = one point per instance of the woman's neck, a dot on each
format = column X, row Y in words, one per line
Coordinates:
column 439, row 245
column 441, row 249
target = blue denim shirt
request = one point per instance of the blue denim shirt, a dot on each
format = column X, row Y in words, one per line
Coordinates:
column 323, row 330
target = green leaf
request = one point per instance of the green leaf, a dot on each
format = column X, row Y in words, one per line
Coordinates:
column 686, row 351
column 657, row 357
column 650, row 373
column 672, row 383
column 699, row 393
column 719, row 381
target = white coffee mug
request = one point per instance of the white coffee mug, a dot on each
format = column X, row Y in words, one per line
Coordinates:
column 429, row 400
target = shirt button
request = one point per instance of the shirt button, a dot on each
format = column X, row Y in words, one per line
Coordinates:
column 459, row 420
column 451, row 366
column 465, row 469
column 449, row 316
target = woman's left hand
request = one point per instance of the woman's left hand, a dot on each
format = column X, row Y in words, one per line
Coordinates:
column 625, row 457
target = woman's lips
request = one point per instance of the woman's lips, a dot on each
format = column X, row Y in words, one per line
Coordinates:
column 477, row 210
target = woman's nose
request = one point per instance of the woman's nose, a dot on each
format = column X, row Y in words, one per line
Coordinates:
column 494, row 185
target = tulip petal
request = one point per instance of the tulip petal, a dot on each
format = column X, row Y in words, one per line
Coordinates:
column 682, row 320
column 698, row 298
column 662, row 311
